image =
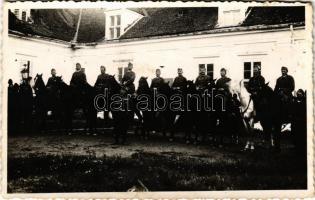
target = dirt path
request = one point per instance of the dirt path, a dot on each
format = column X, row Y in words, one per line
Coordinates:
column 80, row 144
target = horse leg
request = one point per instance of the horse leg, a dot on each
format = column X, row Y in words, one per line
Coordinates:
column 276, row 135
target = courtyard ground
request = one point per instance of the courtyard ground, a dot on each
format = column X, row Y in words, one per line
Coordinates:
column 54, row 162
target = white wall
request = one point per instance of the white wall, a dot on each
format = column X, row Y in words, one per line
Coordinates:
column 42, row 55
column 231, row 50
column 273, row 49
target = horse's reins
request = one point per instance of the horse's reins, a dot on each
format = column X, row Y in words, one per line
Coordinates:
column 250, row 99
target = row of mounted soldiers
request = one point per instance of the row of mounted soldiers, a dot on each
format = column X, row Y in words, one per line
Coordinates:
column 284, row 86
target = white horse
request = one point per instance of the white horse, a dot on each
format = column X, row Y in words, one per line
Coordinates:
column 247, row 110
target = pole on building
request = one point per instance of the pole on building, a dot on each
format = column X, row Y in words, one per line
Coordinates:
column 75, row 39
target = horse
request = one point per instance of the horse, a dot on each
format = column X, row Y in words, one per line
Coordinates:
column 267, row 106
column 121, row 115
column 13, row 108
column 244, row 121
column 40, row 102
column 26, row 103
column 70, row 100
column 299, row 122
column 143, row 91
column 162, row 115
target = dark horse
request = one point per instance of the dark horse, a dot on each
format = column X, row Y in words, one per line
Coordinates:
column 40, row 102
column 63, row 100
column 144, row 93
column 78, row 98
column 268, row 112
column 120, row 105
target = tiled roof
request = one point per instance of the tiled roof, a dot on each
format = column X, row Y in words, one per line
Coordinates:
column 168, row 21
column 274, row 15
column 61, row 24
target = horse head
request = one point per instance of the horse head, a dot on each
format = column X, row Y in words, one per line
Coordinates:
column 38, row 82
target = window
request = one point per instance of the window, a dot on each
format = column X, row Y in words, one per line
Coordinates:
column 112, row 21
column 115, row 29
column 118, row 32
column 121, row 72
column 24, row 15
column 248, row 69
column 209, row 69
column 112, row 33
column 118, row 19
column 231, row 17
column 16, row 12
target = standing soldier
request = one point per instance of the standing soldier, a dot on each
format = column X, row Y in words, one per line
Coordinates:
column 202, row 80
column 222, row 83
column 257, row 81
column 128, row 79
column 180, row 81
column 157, row 81
column 78, row 77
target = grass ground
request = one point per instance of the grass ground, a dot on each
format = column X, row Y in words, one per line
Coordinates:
column 80, row 163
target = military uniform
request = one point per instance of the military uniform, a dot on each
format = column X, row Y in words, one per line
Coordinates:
column 157, row 82
column 78, row 79
column 255, row 83
column 101, row 80
column 128, row 79
column 202, row 81
column 180, row 82
column 285, row 85
column 52, row 82
column 221, row 83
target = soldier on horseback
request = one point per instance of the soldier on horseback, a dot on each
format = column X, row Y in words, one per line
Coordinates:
column 52, row 81
column 257, row 81
column 202, row 80
column 284, row 88
column 180, row 81
column 128, row 79
column 102, row 79
column 285, row 84
column 78, row 78
column 222, row 83
column 158, row 81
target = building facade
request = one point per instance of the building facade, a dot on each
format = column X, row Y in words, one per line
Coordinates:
column 226, row 39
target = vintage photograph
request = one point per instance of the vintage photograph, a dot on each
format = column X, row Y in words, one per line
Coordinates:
column 155, row 97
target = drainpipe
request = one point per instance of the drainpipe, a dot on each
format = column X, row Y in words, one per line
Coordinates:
column 292, row 34
column 75, row 38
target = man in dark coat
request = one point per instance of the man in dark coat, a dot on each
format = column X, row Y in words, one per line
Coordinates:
column 180, row 81
column 285, row 84
column 284, row 88
column 52, row 81
column 78, row 77
column 128, row 79
column 257, row 81
column 202, row 80
column 158, row 81
column 221, row 83
column 102, row 79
